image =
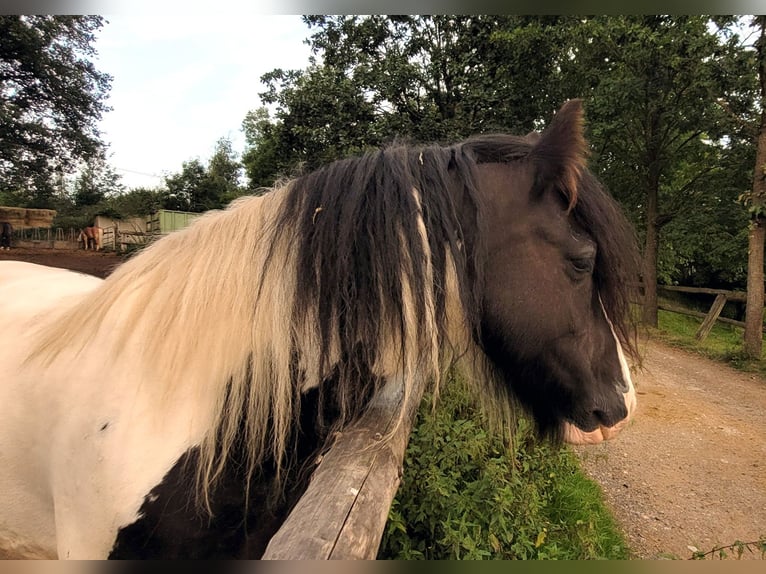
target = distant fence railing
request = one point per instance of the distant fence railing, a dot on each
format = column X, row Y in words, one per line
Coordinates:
column 45, row 236
column 67, row 238
column 722, row 296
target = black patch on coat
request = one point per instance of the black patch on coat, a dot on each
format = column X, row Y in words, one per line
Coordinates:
column 172, row 526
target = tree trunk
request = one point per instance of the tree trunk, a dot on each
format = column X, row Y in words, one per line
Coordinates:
column 753, row 338
column 651, row 249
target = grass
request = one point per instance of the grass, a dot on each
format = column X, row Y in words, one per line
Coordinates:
column 724, row 343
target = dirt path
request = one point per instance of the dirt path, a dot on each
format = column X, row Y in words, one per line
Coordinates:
column 99, row 263
column 690, row 471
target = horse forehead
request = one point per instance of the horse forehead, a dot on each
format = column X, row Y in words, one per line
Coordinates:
column 514, row 206
column 506, row 185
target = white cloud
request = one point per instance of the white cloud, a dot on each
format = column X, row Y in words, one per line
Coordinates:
column 182, row 81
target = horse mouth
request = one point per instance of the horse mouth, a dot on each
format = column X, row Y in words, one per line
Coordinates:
column 575, row 435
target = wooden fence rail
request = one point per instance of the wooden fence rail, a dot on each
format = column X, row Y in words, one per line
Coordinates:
column 344, row 511
column 714, row 314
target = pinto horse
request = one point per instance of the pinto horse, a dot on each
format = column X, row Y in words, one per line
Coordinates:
column 173, row 409
column 6, row 233
column 92, row 238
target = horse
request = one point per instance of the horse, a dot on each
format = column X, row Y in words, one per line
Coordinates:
column 91, row 237
column 6, row 233
column 175, row 409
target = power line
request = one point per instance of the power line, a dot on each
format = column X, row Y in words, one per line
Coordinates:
column 139, row 172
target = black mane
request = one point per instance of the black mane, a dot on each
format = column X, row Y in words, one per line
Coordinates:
column 348, row 220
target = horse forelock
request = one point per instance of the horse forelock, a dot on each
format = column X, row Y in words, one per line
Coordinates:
column 616, row 271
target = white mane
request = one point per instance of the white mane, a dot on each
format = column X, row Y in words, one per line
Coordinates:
column 203, row 312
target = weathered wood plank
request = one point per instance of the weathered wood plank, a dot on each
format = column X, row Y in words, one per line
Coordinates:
column 710, row 319
column 345, row 508
column 700, row 315
column 730, row 295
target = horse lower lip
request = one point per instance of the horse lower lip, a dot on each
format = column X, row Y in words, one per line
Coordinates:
column 575, row 435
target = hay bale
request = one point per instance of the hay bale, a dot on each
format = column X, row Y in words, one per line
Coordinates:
column 21, row 217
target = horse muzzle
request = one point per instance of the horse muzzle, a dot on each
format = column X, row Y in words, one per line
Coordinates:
column 575, row 435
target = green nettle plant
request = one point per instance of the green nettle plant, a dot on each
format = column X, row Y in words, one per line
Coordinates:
column 466, row 495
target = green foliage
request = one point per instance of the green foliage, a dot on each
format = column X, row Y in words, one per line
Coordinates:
column 464, row 495
column 96, row 181
column 735, row 550
column 671, row 108
column 199, row 188
column 421, row 78
column 135, row 203
column 51, row 99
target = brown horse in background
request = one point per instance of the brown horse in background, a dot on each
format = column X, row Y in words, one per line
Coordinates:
column 92, row 238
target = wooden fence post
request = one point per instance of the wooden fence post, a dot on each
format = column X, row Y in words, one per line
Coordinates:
column 712, row 316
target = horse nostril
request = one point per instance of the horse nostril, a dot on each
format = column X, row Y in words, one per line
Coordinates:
column 609, row 418
column 602, row 417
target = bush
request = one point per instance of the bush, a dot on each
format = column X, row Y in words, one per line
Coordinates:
column 465, row 495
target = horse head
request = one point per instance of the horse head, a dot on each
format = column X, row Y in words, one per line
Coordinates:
column 559, row 261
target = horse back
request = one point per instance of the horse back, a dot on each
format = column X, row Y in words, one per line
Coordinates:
column 78, row 438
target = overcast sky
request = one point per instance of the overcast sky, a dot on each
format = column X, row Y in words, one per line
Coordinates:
column 182, row 81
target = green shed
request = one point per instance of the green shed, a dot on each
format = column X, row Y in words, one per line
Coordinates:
column 167, row 220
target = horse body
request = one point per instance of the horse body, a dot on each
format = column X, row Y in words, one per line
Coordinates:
column 94, row 451
column 92, row 237
column 174, row 409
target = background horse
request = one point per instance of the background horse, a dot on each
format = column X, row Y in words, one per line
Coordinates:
column 175, row 409
column 6, row 234
column 92, row 238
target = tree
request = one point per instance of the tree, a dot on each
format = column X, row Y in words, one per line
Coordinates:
column 654, row 83
column 95, row 183
column 444, row 77
column 753, row 338
column 51, row 99
column 261, row 159
column 421, row 78
column 224, row 170
column 199, row 188
column 191, row 189
column 137, row 202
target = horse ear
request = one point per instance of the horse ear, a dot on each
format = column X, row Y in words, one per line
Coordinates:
column 560, row 153
column 532, row 137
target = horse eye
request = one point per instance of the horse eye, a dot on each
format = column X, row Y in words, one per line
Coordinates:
column 583, row 264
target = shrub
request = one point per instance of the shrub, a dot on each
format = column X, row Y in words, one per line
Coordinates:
column 466, row 495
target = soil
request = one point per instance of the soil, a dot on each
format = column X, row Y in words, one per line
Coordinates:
column 98, row 263
column 688, row 473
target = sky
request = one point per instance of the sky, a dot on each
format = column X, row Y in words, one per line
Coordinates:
column 182, row 81
column 186, row 72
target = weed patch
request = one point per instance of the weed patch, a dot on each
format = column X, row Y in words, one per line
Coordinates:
column 466, row 495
